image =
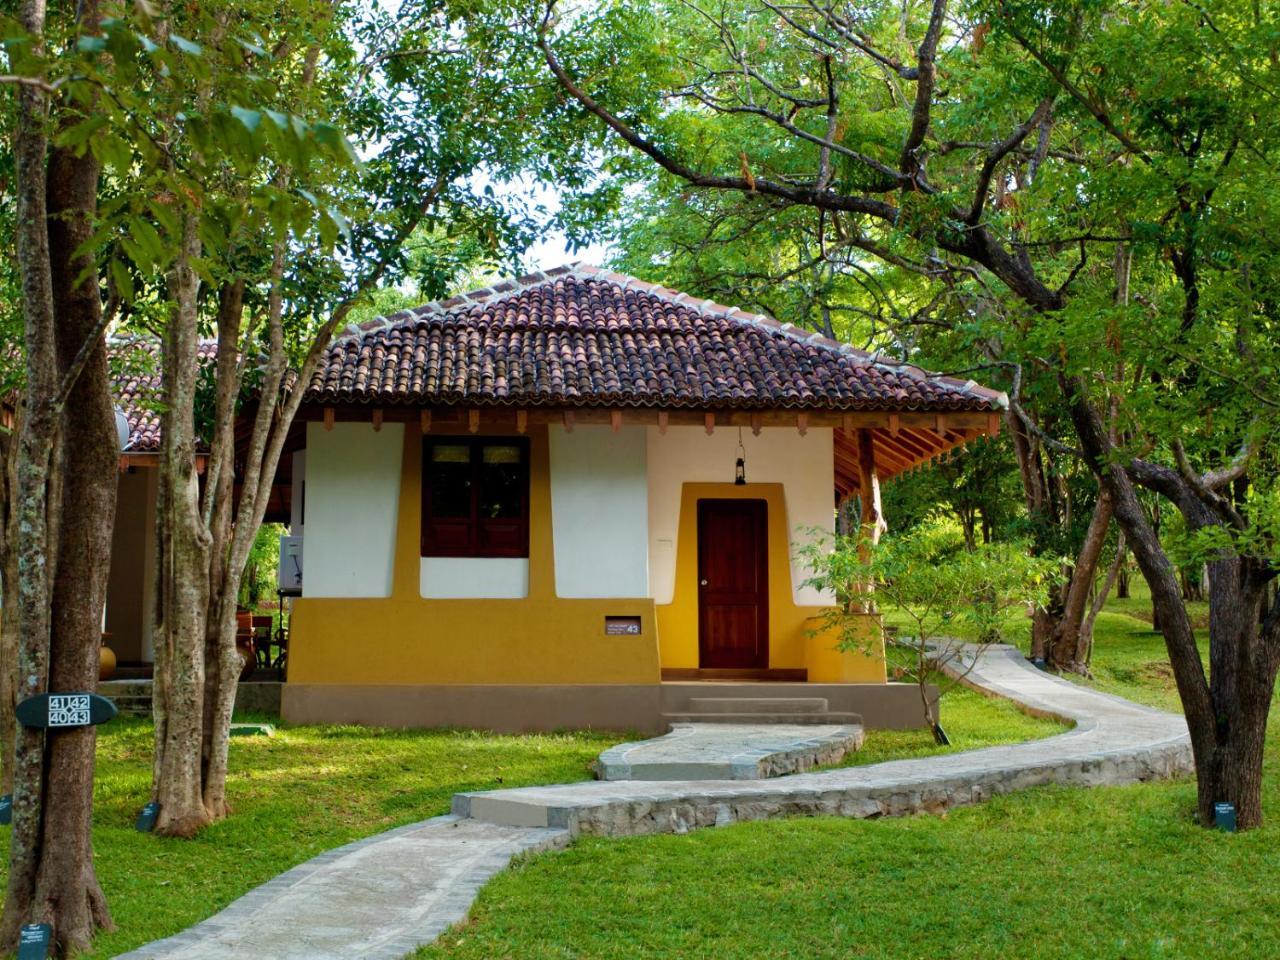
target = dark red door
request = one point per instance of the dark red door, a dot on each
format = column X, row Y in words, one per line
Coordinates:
column 733, row 584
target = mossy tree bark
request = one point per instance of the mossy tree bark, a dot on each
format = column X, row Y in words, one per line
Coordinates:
column 65, row 507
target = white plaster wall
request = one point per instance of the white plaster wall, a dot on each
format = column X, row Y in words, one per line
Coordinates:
column 805, row 466
column 600, row 512
column 474, row 578
column 353, row 497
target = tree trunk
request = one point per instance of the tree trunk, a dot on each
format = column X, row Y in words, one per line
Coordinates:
column 66, row 523
column 1227, row 718
column 184, row 577
column 1041, row 511
column 1067, row 649
column 9, row 610
column 1100, row 600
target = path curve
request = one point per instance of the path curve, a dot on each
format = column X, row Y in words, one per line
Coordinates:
column 382, row 896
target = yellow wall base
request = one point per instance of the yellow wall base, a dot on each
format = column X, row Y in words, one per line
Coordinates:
column 864, row 663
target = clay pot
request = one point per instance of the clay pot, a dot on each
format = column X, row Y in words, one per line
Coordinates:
column 106, row 663
column 248, row 658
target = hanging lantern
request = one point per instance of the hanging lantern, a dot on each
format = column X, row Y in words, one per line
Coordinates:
column 740, row 468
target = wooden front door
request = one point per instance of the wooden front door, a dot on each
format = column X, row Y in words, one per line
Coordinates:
column 733, row 584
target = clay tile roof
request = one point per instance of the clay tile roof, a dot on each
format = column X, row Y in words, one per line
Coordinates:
column 135, row 376
column 583, row 336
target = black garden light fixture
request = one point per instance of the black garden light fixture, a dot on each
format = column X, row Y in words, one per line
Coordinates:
column 740, row 468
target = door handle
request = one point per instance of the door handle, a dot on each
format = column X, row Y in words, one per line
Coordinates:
column 702, row 583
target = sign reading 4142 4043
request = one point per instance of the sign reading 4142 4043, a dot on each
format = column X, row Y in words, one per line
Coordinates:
column 60, row 711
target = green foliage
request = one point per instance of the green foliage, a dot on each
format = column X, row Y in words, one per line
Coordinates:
column 928, row 575
column 928, row 578
column 260, row 571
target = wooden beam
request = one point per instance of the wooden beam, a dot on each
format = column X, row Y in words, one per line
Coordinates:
column 522, row 421
column 993, row 424
column 424, row 418
column 328, row 418
column 757, row 422
column 568, row 419
column 473, row 421
column 377, row 420
column 663, row 420
column 615, row 420
column 802, row 423
column 846, row 421
column 895, row 424
column 943, row 423
column 709, row 423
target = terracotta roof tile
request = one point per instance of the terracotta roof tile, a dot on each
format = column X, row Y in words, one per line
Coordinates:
column 135, row 375
column 588, row 337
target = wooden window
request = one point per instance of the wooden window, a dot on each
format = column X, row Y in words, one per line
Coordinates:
column 475, row 497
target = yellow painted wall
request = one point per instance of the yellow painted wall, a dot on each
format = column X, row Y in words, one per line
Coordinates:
column 541, row 638
column 790, row 645
column 404, row 639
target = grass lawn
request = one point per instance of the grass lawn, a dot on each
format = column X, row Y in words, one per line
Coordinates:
column 303, row 791
column 1120, row 872
column 309, row 789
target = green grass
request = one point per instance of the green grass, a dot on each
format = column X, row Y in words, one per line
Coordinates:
column 978, row 882
column 303, row 791
column 1118, row 872
column 971, row 720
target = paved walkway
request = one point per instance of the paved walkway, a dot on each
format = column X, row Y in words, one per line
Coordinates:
column 729, row 751
column 382, row 896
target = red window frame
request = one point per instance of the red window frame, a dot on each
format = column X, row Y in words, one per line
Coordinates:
column 474, row 535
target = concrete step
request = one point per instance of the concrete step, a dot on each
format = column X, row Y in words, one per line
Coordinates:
column 764, row 717
column 729, row 751
column 758, row 705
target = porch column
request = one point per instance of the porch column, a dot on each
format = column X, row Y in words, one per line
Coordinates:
column 873, row 524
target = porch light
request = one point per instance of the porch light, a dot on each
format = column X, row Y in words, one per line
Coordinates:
column 740, row 468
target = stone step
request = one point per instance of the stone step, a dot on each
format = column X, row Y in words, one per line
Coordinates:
column 841, row 719
column 758, row 705
column 729, row 751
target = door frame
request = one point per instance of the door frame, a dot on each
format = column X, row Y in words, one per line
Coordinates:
column 761, row 506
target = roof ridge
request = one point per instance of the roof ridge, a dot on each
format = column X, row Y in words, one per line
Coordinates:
column 496, row 292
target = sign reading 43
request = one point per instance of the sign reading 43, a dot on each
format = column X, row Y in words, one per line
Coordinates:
column 69, row 710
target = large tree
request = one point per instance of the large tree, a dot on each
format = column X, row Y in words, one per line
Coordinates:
column 64, row 500
column 1103, row 222
column 268, row 232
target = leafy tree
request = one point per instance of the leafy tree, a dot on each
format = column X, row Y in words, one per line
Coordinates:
column 1100, row 226
column 945, row 590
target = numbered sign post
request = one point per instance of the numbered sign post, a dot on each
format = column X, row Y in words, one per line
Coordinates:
column 62, row 711
column 33, row 941
column 146, row 821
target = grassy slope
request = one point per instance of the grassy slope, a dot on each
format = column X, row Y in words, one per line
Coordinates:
column 1118, row 872
column 297, row 794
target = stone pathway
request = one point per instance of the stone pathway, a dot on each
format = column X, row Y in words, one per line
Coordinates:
column 729, row 751
column 382, row 896
column 377, row 898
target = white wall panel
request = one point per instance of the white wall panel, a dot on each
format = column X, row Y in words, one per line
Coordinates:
column 599, row 511
column 353, row 497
